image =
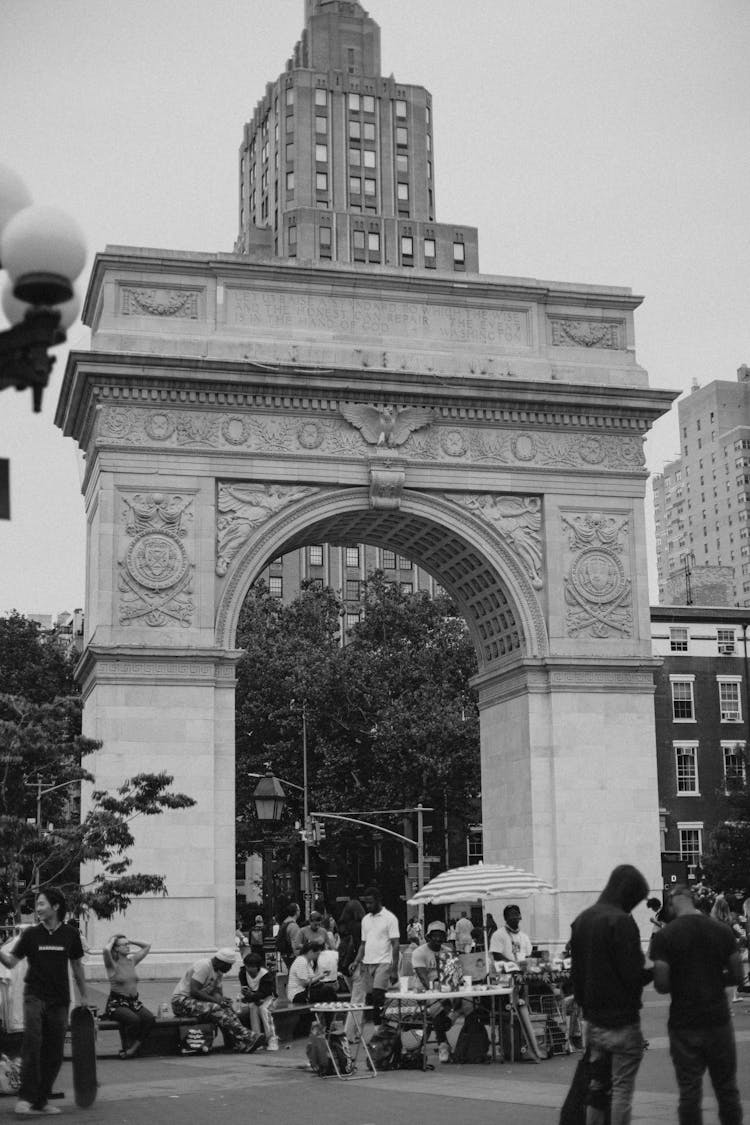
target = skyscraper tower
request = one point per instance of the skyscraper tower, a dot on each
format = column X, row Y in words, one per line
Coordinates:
column 337, row 163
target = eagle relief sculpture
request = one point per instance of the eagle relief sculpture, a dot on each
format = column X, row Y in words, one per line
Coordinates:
column 386, row 425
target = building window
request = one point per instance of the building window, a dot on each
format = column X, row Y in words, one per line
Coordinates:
column 355, row 131
column 474, row 846
column 389, row 560
column 321, row 154
column 321, row 96
column 351, row 556
column 355, row 157
column 325, row 238
column 407, row 246
column 734, row 765
column 400, row 107
column 402, row 192
column 429, row 250
column 368, row 131
column 352, row 619
column 729, row 701
column 293, row 238
column 691, row 846
column 321, row 124
column 290, row 95
column 275, row 586
column 315, row 555
column 368, row 103
column 406, row 587
column 686, row 768
column 459, row 253
column 368, row 158
column 355, row 185
column 683, row 710
column 373, row 242
column 369, row 187
column 358, row 244
column 321, row 181
column 678, row 640
column 402, row 163
column 354, row 102
column 402, row 137
column 404, row 564
column 290, row 181
column 725, row 637
column 353, row 592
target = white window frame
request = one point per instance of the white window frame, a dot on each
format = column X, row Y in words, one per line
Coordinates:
column 731, row 746
column 690, row 826
column 315, row 559
column 679, row 638
column 673, row 681
column 730, row 714
column 351, row 557
column 726, row 642
column 689, row 749
column 276, row 586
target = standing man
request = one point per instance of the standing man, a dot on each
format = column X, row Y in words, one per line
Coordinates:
column 376, row 963
column 695, row 958
column 48, row 948
column 608, row 969
column 509, row 942
column 464, row 937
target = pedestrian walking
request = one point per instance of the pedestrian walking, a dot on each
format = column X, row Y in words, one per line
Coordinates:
column 608, row 972
column 376, row 963
column 49, row 948
column 695, row 957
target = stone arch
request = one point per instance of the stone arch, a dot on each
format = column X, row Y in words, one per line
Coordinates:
column 467, row 556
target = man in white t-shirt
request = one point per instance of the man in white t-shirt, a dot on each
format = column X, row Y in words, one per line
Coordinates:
column 375, row 965
column 509, row 942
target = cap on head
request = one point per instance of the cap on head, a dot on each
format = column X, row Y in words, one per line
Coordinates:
column 227, row 955
column 436, row 928
column 511, row 909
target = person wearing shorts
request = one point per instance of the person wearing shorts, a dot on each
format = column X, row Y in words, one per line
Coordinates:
column 375, row 965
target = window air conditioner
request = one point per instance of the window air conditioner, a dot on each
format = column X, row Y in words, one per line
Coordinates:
column 726, row 650
column 730, row 716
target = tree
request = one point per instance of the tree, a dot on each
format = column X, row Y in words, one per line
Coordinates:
column 726, row 861
column 391, row 716
column 43, row 840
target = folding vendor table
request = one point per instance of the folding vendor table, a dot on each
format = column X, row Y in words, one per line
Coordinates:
column 424, row 1000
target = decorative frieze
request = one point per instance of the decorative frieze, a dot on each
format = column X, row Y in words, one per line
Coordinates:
column 421, row 434
column 579, row 332
column 155, row 571
column 242, row 509
column 159, row 301
column 598, row 589
column 517, row 520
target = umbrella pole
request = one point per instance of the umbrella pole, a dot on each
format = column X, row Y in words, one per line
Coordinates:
column 486, row 939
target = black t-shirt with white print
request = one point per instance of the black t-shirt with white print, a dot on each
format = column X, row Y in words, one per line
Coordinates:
column 48, row 955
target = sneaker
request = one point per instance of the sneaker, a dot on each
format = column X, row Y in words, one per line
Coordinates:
column 24, row 1109
column 273, row 1043
column 444, row 1053
column 252, row 1043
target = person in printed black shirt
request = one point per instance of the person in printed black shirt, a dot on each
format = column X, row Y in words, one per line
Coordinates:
column 695, row 958
column 48, row 948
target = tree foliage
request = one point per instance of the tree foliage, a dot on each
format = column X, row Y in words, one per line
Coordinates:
column 43, row 839
column 391, row 717
column 726, row 860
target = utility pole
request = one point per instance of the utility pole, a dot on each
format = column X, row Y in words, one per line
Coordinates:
column 420, row 858
column 306, row 882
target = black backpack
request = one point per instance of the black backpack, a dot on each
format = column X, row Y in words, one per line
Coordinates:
column 385, row 1047
column 473, row 1042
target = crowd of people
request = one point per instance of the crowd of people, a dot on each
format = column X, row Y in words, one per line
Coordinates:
column 693, row 956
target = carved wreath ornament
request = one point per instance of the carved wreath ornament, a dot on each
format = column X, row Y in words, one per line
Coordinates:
column 155, row 573
column 597, row 589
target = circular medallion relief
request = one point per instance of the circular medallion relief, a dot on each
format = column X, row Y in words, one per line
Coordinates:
column 591, row 449
column 159, row 426
column 156, row 560
column 524, row 447
column 117, row 422
column 235, row 430
column 310, row 435
column 598, row 576
column 453, row 443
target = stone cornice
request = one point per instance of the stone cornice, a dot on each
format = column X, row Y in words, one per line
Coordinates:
column 92, row 378
column 629, row 675
column 117, row 664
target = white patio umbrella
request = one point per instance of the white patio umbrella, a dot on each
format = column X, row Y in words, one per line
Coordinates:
column 479, row 882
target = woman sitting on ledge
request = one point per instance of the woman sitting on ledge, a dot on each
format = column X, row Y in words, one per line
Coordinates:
column 123, row 1005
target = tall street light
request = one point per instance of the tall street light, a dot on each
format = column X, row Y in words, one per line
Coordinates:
column 42, row 250
column 269, row 799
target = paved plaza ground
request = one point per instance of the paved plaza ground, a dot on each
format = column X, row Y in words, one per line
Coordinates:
column 277, row 1087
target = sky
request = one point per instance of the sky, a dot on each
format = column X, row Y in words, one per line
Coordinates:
column 596, row 141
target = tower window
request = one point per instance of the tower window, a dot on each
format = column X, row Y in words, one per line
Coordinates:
column 354, row 102
column 407, row 246
column 402, row 163
column 402, row 136
column 355, row 131
column 368, row 103
column 355, row 156
column 429, row 248
column 355, row 185
column 321, row 154
column 369, row 157
column 400, row 107
column 459, row 253
column 321, row 124
column 369, row 187
column 369, row 130
column 290, row 181
column 290, row 95
column 321, row 96
column 321, row 181
column 402, row 191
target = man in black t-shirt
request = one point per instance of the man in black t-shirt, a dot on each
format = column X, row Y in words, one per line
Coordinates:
column 695, row 958
column 48, row 948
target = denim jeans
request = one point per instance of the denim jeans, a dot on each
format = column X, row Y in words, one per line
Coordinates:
column 696, row 1050
column 42, row 1050
column 623, row 1046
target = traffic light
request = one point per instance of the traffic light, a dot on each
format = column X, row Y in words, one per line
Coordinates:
column 320, row 831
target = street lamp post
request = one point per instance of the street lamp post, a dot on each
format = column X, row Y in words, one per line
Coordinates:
column 269, row 799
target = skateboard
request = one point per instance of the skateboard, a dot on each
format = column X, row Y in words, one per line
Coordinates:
column 83, row 1042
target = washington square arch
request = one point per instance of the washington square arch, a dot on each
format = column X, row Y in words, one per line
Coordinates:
column 234, row 407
